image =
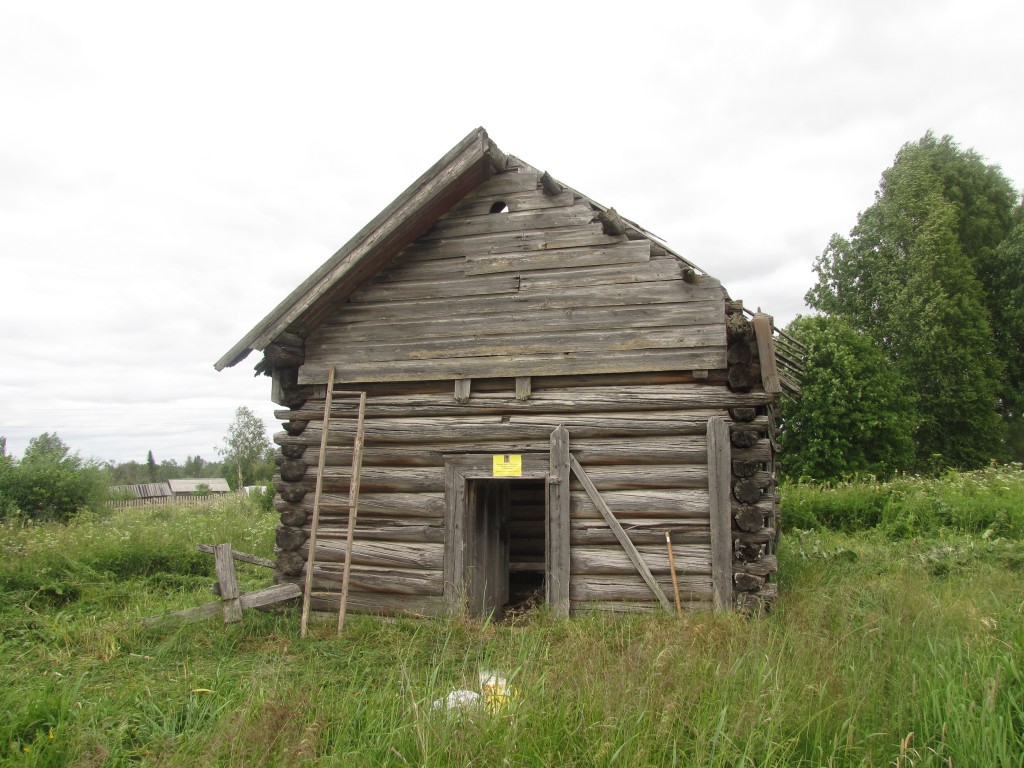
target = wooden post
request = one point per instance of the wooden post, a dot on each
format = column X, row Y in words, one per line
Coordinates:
column 766, row 354
column 719, row 476
column 353, row 507
column 524, row 387
column 316, row 504
column 672, row 568
column 225, row 566
column 557, row 524
column 462, row 388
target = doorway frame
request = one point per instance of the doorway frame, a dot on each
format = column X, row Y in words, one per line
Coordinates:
column 553, row 469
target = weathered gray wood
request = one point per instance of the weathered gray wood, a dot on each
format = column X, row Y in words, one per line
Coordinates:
column 517, row 202
column 630, row 587
column 766, row 354
column 384, row 324
column 462, row 390
column 304, row 621
column 693, row 336
column 523, row 387
column 258, row 599
column 486, row 224
column 240, row 556
column 427, row 431
column 673, row 573
column 539, row 364
column 557, row 523
column 719, row 462
column 586, row 400
column 229, row 592
column 418, row 555
column 633, row 252
column 613, row 523
column 549, row 185
column 611, row 222
column 587, row 560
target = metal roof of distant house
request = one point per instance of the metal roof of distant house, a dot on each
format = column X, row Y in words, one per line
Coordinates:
column 191, row 484
column 145, row 490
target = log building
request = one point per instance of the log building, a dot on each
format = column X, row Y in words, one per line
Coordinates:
column 549, row 391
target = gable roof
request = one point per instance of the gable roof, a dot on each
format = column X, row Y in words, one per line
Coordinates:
column 469, row 163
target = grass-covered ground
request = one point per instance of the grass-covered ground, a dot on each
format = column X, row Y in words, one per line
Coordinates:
column 881, row 651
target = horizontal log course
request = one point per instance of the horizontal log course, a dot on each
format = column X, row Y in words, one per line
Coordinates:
column 613, row 560
column 764, row 567
column 475, row 345
column 379, row 604
column 692, row 588
column 618, row 254
column 374, row 529
column 327, row 577
column 517, row 202
column 529, row 220
column 577, row 401
column 385, row 324
column 571, row 236
column 684, row 449
column 397, row 505
column 679, row 504
column 649, row 532
column 508, row 429
column 380, row 553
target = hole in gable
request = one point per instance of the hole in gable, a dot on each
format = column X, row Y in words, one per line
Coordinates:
column 499, row 207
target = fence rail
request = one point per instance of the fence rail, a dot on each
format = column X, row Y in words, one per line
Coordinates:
column 160, row 501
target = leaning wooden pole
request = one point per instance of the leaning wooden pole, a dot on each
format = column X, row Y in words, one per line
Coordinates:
column 353, row 507
column 316, row 505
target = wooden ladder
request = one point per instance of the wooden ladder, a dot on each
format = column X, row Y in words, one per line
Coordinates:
column 353, row 502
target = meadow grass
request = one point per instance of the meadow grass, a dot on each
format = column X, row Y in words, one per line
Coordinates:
column 878, row 653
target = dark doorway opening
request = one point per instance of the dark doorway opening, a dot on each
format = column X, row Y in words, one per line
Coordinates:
column 505, row 543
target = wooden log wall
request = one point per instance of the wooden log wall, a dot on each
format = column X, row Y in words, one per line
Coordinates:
column 755, row 511
column 642, row 443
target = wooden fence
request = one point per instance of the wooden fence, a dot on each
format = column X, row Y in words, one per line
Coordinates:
column 161, row 501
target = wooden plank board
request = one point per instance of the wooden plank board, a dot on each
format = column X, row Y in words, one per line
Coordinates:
column 632, row 252
column 631, row 551
column 719, row 477
column 409, row 290
column 766, row 354
column 489, row 223
column 596, row 451
column 229, row 592
column 628, row 587
column 403, row 554
column 509, row 430
column 539, row 364
column 690, row 559
column 526, row 343
column 672, row 504
column 575, row 236
column 579, row 400
column 384, row 325
column 481, row 202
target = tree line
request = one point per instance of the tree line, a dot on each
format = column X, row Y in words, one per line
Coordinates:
column 52, row 482
column 915, row 356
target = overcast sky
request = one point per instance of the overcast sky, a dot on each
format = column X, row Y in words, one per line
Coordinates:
column 169, row 172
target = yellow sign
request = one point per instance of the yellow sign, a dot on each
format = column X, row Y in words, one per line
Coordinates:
column 507, row 465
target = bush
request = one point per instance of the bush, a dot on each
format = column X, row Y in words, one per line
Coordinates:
column 50, row 482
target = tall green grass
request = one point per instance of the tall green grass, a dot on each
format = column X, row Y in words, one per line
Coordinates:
column 988, row 502
column 879, row 653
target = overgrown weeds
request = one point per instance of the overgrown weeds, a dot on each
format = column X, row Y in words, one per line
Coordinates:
column 989, row 502
column 879, row 652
